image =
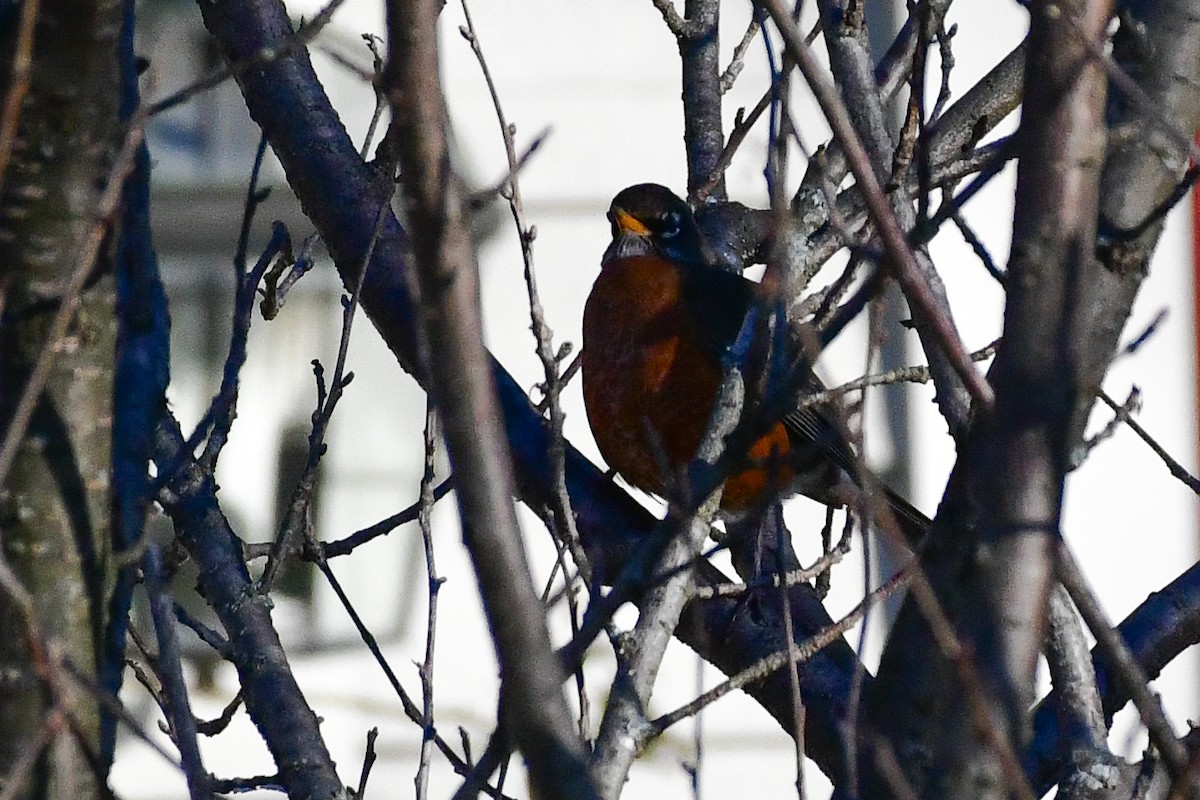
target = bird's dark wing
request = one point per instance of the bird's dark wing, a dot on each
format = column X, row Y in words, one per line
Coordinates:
column 810, row 429
column 717, row 302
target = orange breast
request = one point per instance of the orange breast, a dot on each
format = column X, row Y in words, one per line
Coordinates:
column 649, row 382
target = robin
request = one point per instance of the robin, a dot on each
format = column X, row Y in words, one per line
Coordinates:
column 658, row 319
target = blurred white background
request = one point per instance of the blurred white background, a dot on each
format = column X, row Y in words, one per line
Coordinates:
column 603, row 78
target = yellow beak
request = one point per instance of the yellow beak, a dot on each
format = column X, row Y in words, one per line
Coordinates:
column 629, row 224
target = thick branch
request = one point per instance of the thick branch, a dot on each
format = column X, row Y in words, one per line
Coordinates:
column 1158, row 630
column 1158, row 45
column 1020, row 474
column 922, row 296
column 273, row 699
column 1007, row 487
column 700, row 54
column 850, row 60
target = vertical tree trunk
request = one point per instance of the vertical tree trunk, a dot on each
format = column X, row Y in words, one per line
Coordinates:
column 54, row 509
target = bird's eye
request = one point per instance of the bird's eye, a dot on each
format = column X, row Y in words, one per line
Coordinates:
column 672, row 225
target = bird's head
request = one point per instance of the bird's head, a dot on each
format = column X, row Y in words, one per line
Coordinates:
column 648, row 219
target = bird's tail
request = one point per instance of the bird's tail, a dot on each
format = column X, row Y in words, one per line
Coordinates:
column 888, row 510
column 909, row 522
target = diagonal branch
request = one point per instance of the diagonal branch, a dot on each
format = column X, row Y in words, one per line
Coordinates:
column 288, row 725
column 903, row 261
column 850, row 61
column 447, row 282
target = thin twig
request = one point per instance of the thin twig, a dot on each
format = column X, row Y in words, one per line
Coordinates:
column 570, row 587
column 1178, row 471
column 913, row 374
column 373, row 42
column 972, row 239
column 18, row 83
column 765, row 666
column 266, row 55
column 347, row 545
column 780, row 580
column 296, row 521
column 84, row 683
column 946, row 60
column 693, row 769
column 276, row 284
column 738, row 60
column 564, row 520
column 858, row 679
column 483, row 196
column 221, row 411
column 741, row 129
column 218, row 418
column 1132, row 404
column 410, row 708
column 219, row 723
column 434, row 585
column 792, row 651
column 368, row 763
column 1146, row 333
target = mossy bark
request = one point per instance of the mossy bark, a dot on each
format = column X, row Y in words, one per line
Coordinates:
column 54, row 503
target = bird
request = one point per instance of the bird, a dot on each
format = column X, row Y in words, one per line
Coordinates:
column 656, row 323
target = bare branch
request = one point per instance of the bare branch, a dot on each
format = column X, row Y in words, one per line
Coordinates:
column 273, row 699
column 447, row 282
column 1074, row 677
column 460, row 764
column 1127, row 670
column 178, row 706
column 564, row 520
column 663, row 603
column 766, row 666
column 703, row 132
column 1008, row 482
column 850, row 60
column 738, row 60
column 274, row 51
column 903, row 261
column 434, row 585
